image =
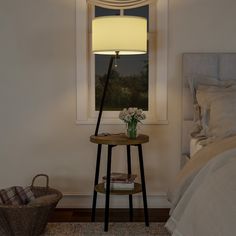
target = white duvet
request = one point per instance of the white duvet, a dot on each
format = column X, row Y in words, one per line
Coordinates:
column 203, row 196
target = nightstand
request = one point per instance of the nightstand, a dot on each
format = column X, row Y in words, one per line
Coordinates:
column 113, row 140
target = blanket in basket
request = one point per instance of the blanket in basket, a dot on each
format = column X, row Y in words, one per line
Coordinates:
column 16, row 195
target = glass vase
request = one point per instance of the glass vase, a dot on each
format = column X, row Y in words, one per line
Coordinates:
column 131, row 130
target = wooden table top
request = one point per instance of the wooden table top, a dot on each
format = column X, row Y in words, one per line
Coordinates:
column 118, row 139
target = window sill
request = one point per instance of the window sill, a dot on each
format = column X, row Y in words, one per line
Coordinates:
column 119, row 122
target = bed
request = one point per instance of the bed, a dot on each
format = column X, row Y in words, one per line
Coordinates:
column 204, row 192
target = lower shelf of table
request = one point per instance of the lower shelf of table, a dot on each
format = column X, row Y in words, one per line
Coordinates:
column 137, row 189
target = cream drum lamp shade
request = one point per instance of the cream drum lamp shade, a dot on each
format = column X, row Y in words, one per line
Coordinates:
column 125, row 35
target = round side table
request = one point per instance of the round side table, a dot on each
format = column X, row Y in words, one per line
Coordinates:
column 113, row 140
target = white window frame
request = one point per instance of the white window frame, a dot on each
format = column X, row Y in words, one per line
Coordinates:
column 84, row 70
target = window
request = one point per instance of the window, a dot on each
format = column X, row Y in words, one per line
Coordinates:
column 147, row 73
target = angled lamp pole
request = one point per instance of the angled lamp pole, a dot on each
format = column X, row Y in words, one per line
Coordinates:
column 115, row 36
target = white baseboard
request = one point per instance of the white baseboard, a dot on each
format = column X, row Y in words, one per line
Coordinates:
column 85, row 201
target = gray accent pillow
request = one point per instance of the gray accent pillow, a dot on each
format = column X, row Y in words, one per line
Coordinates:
column 195, row 81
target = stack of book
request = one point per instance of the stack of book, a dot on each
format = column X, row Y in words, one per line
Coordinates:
column 120, row 181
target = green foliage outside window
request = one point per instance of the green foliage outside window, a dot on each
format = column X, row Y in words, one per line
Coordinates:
column 124, row 90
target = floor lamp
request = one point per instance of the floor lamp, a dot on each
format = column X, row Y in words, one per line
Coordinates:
column 116, row 36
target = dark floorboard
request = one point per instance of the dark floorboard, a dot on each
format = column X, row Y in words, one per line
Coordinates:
column 116, row 215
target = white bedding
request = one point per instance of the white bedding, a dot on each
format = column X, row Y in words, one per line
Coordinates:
column 203, row 196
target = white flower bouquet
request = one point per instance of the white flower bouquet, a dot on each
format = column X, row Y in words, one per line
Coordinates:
column 132, row 114
column 131, row 117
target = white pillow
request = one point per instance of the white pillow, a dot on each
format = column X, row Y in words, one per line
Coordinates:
column 218, row 110
column 222, row 122
column 198, row 83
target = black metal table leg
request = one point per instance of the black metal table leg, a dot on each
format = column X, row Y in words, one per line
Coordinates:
column 140, row 152
column 96, row 182
column 130, row 195
column 106, row 221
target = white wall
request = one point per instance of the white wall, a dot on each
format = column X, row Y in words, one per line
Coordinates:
column 38, row 96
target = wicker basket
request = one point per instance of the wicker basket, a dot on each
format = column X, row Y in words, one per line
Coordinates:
column 24, row 220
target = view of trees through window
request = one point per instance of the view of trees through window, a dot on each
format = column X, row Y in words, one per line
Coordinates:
column 128, row 84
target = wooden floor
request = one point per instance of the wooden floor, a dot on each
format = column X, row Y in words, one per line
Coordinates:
column 116, row 215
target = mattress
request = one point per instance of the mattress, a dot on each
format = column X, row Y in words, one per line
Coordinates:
column 194, row 146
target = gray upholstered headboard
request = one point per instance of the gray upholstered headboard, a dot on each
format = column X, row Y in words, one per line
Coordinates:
column 221, row 66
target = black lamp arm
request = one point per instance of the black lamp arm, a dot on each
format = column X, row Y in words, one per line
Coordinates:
column 104, row 93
